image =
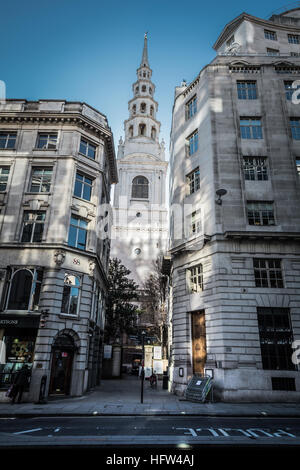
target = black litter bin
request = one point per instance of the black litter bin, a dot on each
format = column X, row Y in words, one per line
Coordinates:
column 165, row 381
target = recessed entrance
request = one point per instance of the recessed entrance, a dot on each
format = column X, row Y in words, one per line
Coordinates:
column 198, row 342
column 62, row 361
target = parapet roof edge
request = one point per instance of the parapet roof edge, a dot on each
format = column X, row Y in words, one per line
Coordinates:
column 109, row 133
column 232, row 25
column 42, row 100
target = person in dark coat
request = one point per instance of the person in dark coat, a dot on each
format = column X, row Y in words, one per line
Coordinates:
column 20, row 382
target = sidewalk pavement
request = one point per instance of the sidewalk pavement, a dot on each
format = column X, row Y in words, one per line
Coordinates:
column 123, row 397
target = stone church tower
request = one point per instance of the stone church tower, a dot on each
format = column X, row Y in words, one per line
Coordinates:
column 139, row 230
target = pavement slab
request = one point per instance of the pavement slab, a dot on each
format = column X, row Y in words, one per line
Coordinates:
column 122, row 396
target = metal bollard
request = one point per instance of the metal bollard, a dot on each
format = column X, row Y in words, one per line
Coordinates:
column 42, row 400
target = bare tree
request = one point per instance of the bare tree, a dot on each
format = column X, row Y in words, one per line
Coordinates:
column 154, row 315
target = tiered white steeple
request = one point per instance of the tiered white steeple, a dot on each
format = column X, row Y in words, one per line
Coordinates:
column 140, row 227
column 142, row 127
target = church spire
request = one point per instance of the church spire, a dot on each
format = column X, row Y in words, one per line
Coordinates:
column 145, row 62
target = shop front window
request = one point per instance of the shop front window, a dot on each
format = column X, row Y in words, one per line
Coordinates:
column 16, row 349
column 24, row 289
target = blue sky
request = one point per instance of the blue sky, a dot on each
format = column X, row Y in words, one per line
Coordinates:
column 89, row 50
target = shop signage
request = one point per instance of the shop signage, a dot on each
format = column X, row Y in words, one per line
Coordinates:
column 157, row 352
column 107, row 351
column 20, row 321
column 158, row 367
column 148, row 356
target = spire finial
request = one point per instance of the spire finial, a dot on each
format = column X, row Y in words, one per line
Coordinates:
column 145, row 51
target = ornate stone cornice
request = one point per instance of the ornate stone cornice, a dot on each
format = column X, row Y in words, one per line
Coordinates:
column 76, row 119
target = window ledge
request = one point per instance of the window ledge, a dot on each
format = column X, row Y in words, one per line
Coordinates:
column 31, row 193
column 44, row 150
column 30, row 244
column 67, row 315
column 192, row 237
column 21, row 312
column 83, row 200
column 140, row 199
column 79, row 250
column 192, row 194
column 11, row 149
column 86, row 156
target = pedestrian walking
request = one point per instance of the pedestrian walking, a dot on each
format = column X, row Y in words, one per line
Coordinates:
column 153, row 380
column 20, row 382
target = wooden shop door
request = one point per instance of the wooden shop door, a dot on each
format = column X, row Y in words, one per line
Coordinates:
column 61, row 372
column 198, row 342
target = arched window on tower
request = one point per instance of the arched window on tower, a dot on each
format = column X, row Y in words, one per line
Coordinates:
column 153, row 133
column 130, row 131
column 151, row 111
column 134, row 109
column 143, row 107
column 142, row 129
column 144, row 89
column 150, row 90
column 144, row 74
column 140, row 188
column 136, row 90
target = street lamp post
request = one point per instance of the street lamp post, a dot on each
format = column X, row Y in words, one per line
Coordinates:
column 142, row 371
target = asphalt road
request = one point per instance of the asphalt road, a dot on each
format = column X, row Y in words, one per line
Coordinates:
column 144, row 442
column 111, row 430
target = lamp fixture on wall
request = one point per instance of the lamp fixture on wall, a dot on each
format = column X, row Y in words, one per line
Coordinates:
column 220, row 193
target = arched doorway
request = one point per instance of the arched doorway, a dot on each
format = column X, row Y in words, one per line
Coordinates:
column 62, row 361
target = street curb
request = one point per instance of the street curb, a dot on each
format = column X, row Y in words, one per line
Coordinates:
column 183, row 414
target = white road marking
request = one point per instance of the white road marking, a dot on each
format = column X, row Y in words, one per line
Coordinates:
column 254, row 433
column 29, row 430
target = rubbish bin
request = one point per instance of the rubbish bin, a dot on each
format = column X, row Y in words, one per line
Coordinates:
column 165, row 381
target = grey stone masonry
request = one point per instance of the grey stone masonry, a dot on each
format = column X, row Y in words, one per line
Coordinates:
column 57, row 165
column 245, row 140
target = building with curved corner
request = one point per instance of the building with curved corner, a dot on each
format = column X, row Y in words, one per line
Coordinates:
column 57, row 164
column 235, row 229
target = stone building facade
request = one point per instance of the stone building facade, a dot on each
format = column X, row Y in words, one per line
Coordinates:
column 140, row 213
column 140, row 227
column 235, row 215
column 57, row 164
